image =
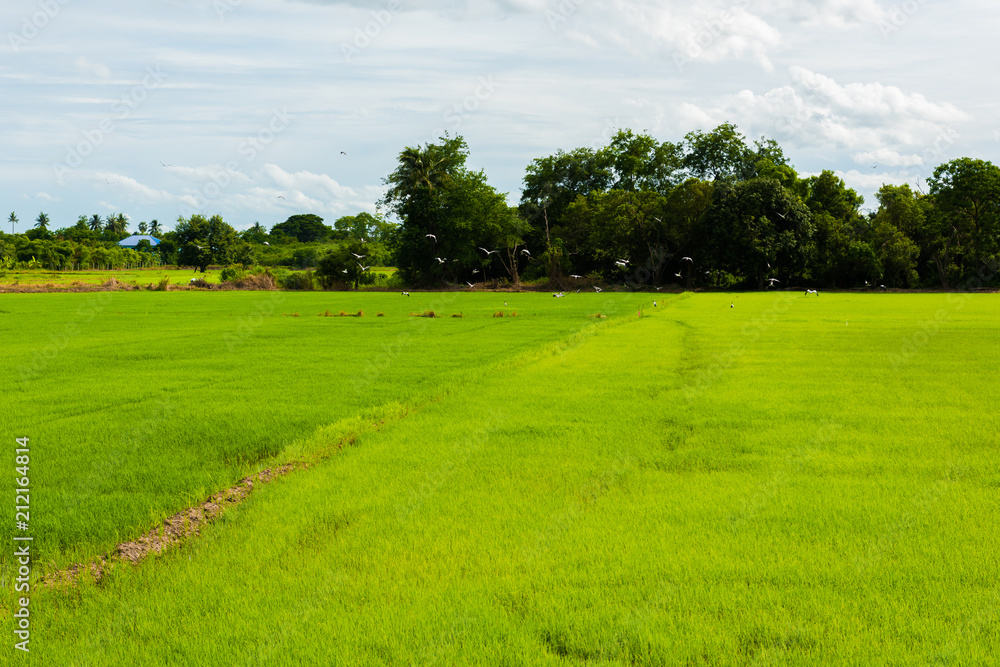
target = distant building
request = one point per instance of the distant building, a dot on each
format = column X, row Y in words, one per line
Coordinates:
column 135, row 239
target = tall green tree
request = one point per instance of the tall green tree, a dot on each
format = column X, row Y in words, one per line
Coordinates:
column 966, row 197
column 12, row 219
column 202, row 241
column 42, row 222
column 154, row 228
column 447, row 214
column 759, row 231
column 306, row 228
column 95, row 223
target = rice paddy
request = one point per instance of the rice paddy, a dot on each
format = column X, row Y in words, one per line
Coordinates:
column 754, row 479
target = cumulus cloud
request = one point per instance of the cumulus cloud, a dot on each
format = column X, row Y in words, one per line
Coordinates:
column 878, row 124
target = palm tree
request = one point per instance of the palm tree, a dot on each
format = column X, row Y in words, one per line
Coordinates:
column 116, row 223
column 12, row 219
column 142, row 227
column 154, row 228
column 95, row 223
column 42, row 222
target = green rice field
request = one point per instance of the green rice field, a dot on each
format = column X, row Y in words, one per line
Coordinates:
column 138, row 277
column 721, row 479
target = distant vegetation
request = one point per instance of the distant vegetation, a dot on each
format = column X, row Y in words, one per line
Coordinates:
column 712, row 210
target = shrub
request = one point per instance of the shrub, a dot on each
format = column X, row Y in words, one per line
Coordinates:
column 299, row 281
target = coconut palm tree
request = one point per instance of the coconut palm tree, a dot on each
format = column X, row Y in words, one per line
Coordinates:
column 154, row 228
column 12, row 219
column 42, row 222
column 142, row 227
column 95, row 223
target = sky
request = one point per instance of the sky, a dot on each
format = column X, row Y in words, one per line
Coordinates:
column 262, row 109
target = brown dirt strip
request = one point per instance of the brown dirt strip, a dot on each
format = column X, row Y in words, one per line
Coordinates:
column 182, row 526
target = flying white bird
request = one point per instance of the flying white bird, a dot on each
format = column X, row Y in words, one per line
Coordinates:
column 678, row 274
column 597, row 288
column 431, row 236
column 266, row 243
column 357, row 255
column 344, row 271
column 524, row 251
column 363, row 268
column 469, row 284
column 811, row 291
column 623, row 261
column 621, row 264
column 686, row 259
column 488, row 252
column 441, row 261
column 573, row 275
column 406, row 294
column 475, row 271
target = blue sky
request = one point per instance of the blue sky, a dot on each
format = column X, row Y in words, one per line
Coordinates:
column 260, row 109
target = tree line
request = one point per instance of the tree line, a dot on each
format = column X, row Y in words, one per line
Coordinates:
column 713, row 210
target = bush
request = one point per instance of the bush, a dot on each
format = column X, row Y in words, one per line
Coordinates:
column 233, row 273
column 303, row 281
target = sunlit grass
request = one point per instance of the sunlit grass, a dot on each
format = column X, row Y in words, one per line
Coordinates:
column 787, row 481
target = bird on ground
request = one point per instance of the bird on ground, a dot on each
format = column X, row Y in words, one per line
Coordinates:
column 358, row 256
column 811, row 291
column 558, row 295
column 732, row 305
column 406, row 294
column 441, row 261
column 654, row 303
column 431, row 236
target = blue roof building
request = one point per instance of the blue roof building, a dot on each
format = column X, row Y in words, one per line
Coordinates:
column 133, row 241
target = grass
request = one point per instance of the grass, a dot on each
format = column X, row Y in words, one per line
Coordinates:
column 786, row 482
column 141, row 277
